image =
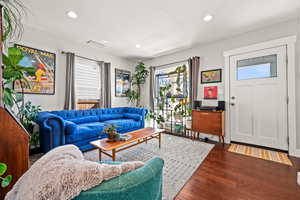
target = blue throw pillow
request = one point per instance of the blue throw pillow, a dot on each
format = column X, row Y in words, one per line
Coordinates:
column 136, row 117
column 83, row 120
column 110, row 117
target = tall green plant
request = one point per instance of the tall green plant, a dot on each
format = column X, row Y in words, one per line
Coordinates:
column 139, row 78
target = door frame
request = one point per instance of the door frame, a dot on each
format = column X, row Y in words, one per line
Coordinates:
column 290, row 43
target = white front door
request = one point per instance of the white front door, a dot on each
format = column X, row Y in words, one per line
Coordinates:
column 258, row 98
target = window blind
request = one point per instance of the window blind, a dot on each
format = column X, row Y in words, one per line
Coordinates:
column 87, row 79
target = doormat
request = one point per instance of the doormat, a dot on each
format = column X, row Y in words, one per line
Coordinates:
column 264, row 154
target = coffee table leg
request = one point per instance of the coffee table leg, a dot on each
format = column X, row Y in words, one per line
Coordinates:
column 100, row 152
column 159, row 140
column 113, row 154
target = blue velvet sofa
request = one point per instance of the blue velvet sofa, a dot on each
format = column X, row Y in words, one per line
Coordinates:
column 80, row 127
column 144, row 183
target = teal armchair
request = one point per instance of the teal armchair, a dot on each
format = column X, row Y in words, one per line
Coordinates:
column 144, row 183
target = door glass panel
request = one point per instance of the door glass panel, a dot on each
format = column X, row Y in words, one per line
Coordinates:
column 260, row 67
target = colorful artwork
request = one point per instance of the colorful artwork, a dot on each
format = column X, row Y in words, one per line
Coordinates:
column 211, row 76
column 211, row 92
column 122, row 84
column 44, row 62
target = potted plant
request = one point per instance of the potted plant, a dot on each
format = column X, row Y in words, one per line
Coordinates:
column 5, row 181
column 158, row 118
column 139, row 78
column 111, row 131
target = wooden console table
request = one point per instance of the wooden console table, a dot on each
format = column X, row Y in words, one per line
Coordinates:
column 209, row 122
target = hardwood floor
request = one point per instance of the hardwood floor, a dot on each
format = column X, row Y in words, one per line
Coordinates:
column 225, row 175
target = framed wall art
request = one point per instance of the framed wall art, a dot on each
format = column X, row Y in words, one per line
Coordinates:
column 122, row 82
column 211, row 76
column 211, row 92
column 44, row 63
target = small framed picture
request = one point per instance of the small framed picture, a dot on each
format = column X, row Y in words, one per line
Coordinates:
column 211, row 76
column 211, row 92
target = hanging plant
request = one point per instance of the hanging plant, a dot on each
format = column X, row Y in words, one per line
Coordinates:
column 13, row 11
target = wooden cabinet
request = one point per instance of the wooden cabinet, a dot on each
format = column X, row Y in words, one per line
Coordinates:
column 209, row 122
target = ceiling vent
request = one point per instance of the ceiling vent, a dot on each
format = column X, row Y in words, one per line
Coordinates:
column 96, row 44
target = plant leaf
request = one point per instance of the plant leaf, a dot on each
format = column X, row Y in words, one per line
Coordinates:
column 6, row 181
column 3, row 168
column 15, row 55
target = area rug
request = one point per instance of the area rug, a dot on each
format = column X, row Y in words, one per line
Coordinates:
column 274, row 156
column 182, row 157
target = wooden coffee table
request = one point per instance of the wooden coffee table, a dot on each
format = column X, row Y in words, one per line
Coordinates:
column 138, row 137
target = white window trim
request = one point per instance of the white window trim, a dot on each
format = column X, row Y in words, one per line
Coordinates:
column 290, row 43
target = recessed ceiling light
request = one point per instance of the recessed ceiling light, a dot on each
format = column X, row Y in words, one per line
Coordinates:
column 72, row 14
column 207, row 18
column 138, row 46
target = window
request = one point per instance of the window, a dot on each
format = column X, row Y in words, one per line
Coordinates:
column 87, row 80
column 260, row 67
column 169, row 76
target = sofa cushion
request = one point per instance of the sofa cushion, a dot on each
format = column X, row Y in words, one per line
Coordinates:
column 133, row 116
column 124, row 124
column 85, row 131
column 83, row 120
column 105, row 117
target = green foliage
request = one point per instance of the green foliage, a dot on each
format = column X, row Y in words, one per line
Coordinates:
column 13, row 11
column 5, row 181
column 140, row 75
column 28, row 114
column 166, row 100
column 138, row 79
column 110, row 129
column 13, row 72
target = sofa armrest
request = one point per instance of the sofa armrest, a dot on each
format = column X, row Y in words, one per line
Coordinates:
column 132, row 185
column 70, row 127
column 52, row 130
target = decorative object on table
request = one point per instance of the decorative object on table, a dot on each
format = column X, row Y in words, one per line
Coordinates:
column 211, row 76
column 122, row 84
column 138, row 80
column 5, row 181
column 111, row 131
column 211, row 92
column 124, row 137
column 43, row 79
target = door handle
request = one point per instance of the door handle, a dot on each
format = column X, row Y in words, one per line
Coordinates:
column 233, row 97
column 232, row 104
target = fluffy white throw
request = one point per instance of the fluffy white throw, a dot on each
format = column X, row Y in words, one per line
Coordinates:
column 62, row 174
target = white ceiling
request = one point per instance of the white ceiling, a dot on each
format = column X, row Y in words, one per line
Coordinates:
column 160, row 26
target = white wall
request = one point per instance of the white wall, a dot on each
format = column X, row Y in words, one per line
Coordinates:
column 56, row 44
column 211, row 55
